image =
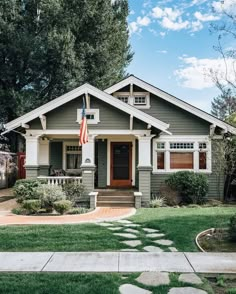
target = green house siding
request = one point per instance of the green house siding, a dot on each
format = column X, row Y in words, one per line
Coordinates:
column 181, row 122
column 55, row 155
column 215, row 180
column 65, row 116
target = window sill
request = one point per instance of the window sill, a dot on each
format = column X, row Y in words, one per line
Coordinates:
column 174, row 171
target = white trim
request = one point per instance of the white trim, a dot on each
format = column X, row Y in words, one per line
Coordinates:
column 131, row 98
column 96, row 132
column 194, row 139
column 68, row 143
column 86, row 88
column 180, row 103
column 92, row 111
column 114, row 140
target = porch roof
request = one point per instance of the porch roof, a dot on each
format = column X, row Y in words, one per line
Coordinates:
column 87, row 89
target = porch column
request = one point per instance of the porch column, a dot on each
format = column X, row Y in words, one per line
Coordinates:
column 32, row 156
column 88, row 164
column 44, row 157
column 145, row 168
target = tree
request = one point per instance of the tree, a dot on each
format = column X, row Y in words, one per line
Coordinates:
column 50, row 47
column 225, row 78
column 224, row 105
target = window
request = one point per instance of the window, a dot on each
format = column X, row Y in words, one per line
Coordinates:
column 174, row 153
column 140, row 100
column 125, row 99
column 92, row 116
column 137, row 99
column 181, row 160
column 73, row 157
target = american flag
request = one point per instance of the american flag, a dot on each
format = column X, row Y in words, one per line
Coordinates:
column 83, row 127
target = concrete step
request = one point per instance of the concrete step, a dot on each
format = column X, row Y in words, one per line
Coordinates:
column 114, row 204
column 116, row 198
column 115, row 193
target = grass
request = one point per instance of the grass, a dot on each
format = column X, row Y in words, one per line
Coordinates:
column 72, row 283
column 84, row 237
column 181, row 225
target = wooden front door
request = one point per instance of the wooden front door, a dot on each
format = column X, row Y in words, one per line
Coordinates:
column 121, row 164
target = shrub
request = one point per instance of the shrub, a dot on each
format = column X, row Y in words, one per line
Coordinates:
column 73, row 191
column 32, row 206
column 50, row 194
column 192, row 186
column 26, row 189
column 232, row 228
column 158, row 202
column 19, row 211
column 172, row 196
column 79, row 210
column 62, row 206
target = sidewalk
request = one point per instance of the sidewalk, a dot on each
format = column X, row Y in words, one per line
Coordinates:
column 125, row 262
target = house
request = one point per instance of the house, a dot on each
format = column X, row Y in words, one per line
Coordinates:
column 138, row 135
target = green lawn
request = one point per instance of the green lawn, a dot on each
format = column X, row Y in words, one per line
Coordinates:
column 183, row 224
column 73, row 283
column 84, row 237
column 179, row 224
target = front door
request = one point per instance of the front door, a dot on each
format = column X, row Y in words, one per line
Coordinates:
column 121, row 164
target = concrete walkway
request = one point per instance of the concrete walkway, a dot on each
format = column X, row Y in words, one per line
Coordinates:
column 99, row 214
column 124, row 262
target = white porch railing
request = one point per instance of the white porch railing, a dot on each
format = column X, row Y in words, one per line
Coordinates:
column 61, row 180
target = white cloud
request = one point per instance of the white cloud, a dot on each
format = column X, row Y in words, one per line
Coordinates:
column 155, row 33
column 143, row 21
column 174, row 26
column 198, row 2
column 168, row 12
column 226, row 5
column 132, row 12
column 205, row 17
column 134, row 27
column 196, row 72
column 162, row 51
column 163, row 34
column 196, row 26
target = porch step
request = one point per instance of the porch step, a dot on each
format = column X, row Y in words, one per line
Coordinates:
column 115, row 199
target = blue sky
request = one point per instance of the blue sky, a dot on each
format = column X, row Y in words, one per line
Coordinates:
column 174, row 48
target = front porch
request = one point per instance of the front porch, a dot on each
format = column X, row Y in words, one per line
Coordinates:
column 112, row 159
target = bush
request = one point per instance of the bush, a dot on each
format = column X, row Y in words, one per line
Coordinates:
column 192, row 186
column 19, row 211
column 62, row 206
column 172, row 196
column 26, row 189
column 79, row 210
column 232, row 228
column 32, row 206
column 73, row 191
column 158, row 202
column 50, row 194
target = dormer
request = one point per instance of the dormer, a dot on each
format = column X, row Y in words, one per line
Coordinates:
column 133, row 95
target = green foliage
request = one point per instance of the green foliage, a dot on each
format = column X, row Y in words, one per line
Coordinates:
column 26, row 189
column 32, row 206
column 62, row 206
column 50, row 194
column 158, row 202
column 231, row 291
column 192, row 187
column 73, row 191
column 50, row 47
column 220, row 281
column 79, row 210
column 232, row 228
column 19, row 211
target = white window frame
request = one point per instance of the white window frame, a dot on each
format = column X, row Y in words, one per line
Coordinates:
column 69, row 143
column 91, row 111
column 131, row 99
column 185, row 139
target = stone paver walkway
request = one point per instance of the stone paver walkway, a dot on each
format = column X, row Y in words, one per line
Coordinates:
column 98, row 215
column 125, row 262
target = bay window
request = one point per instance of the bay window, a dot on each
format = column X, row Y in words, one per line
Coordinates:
column 176, row 153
